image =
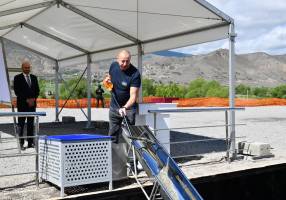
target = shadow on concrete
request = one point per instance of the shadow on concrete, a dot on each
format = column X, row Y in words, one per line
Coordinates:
column 195, row 144
column 22, row 185
column 61, row 128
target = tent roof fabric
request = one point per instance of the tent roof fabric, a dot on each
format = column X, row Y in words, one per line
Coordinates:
column 67, row 30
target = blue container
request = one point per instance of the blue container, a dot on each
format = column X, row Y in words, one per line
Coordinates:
column 76, row 137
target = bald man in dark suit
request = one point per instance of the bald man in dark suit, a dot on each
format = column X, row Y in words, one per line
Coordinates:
column 27, row 90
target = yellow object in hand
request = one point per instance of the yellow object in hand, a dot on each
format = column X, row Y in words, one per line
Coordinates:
column 107, row 83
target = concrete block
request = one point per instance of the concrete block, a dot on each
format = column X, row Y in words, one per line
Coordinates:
column 254, row 148
column 68, row 119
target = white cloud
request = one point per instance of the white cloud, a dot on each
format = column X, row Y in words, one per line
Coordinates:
column 259, row 24
column 274, row 41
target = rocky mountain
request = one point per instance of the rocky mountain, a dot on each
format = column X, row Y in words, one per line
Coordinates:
column 255, row 69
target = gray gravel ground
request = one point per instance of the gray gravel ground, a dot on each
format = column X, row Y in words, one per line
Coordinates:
column 263, row 124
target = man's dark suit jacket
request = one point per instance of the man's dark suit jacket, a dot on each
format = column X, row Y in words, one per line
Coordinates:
column 23, row 92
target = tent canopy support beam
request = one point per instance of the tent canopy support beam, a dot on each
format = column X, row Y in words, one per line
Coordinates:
column 99, row 22
column 54, row 37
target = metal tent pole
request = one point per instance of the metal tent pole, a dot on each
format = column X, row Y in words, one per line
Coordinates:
column 140, row 68
column 88, row 91
column 57, row 90
column 232, row 36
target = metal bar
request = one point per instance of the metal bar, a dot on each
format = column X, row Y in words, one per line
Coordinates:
column 99, row 51
column 57, row 90
column 232, row 89
column 140, row 185
column 214, row 10
column 194, row 141
column 99, row 22
column 14, row 69
column 227, row 136
column 33, row 16
column 37, row 150
column 17, row 155
column 186, row 32
column 190, row 127
column 54, row 37
column 9, row 26
column 62, row 168
column 30, row 49
column 180, row 110
column 140, row 68
column 23, row 173
column 73, row 90
column 77, row 103
column 22, row 114
column 12, row 138
column 134, row 161
column 154, row 190
column 36, row 114
column 26, row 8
column 155, row 123
column 88, row 80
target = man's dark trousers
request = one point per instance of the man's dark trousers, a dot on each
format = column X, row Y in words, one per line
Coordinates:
column 30, row 126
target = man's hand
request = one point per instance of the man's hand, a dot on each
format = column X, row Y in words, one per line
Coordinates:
column 31, row 102
column 107, row 83
column 122, row 111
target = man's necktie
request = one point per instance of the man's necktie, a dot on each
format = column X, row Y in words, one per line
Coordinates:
column 28, row 80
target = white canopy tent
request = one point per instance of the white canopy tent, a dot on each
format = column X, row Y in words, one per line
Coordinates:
column 4, row 87
column 72, row 31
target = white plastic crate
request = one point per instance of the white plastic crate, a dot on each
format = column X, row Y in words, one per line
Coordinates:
column 76, row 159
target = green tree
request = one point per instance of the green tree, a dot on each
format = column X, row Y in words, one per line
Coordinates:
column 279, row 91
column 79, row 92
column 221, row 91
column 242, row 89
column 148, row 87
column 196, row 88
column 261, row 92
column 42, row 86
column 160, row 90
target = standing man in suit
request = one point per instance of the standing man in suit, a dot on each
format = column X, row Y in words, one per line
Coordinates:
column 27, row 90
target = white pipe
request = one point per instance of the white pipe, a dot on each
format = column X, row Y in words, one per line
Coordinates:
column 88, row 91
column 232, row 36
column 57, row 90
column 140, row 68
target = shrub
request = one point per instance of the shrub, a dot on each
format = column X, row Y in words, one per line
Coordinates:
column 79, row 92
column 148, row 87
column 242, row 89
column 261, row 92
column 42, row 87
column 279, row 92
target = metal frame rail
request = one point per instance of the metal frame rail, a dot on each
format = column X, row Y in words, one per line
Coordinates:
column 24, row 114
column 229, row 140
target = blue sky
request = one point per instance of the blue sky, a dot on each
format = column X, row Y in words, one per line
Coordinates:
column 260, row 27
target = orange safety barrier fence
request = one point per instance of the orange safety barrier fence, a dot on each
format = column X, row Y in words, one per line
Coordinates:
column 183, row 102
column 224, row 102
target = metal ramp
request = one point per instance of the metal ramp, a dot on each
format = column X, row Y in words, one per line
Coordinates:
column 169, row 182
